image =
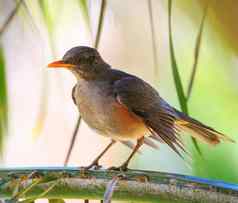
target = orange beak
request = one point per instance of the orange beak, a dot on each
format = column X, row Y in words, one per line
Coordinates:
column 60, row 64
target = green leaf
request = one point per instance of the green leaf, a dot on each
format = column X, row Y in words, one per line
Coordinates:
column 50, row 13
column 11, row 16
column 46, row 14
column 84, row 10
column 196, row 54
column 176, row 76
column 3, row 99
column 46, row 10
column 56, row 201
column 30, row 200
column 153, row 37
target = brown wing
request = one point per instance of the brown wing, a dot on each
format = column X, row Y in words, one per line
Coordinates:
column 143, row 100
column 164, row 122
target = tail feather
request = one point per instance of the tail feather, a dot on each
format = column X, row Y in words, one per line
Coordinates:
column 199, row 130
column 167, row 123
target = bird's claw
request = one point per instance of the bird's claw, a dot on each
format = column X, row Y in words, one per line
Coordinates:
column 121, row 168
column 93, row 165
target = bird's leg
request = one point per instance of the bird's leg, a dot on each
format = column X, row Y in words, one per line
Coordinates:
column 95, row 161
column 124, row 166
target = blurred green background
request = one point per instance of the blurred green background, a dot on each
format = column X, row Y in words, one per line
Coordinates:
column 37, row 115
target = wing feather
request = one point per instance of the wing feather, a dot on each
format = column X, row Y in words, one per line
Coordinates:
column 163, row 121
column 143, row 100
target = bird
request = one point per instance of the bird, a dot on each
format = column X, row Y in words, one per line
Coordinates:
column 124, row 107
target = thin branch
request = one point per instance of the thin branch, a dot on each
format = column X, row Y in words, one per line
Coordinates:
column 72, row 141
column 3, row 100
column 83, row 4
column 10, row 17
column 136, row 185
column 43, row 106
column 153, row 38
column 30, row 18
column 100, row 23
column 196, row 54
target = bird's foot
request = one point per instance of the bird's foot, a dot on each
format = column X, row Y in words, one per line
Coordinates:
column 94, row 165
column 121, row 168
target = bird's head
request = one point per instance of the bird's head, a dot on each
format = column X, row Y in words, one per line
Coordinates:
column 83, row 62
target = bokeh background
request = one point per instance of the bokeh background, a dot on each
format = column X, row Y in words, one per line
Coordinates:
column 37, row 102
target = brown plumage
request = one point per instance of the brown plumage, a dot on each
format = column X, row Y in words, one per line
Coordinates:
column 124, row 107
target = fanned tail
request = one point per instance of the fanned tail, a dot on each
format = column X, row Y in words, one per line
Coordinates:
column 199, row 130
column 167, row 123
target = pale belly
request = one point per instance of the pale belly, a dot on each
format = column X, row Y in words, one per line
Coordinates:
column 100, row 110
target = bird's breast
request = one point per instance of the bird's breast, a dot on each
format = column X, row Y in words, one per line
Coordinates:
column 101, row 111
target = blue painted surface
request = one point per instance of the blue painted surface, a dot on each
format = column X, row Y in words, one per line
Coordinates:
column 216, row 183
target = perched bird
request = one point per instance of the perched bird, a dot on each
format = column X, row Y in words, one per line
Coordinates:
column 124, row 107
